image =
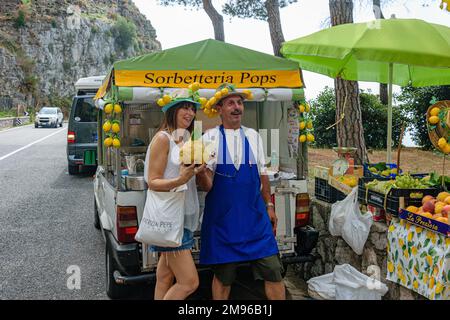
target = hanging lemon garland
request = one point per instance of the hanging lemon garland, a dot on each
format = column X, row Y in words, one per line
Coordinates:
column 305, row 124
column 111, row 126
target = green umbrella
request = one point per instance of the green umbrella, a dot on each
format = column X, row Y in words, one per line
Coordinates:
column 394, row 51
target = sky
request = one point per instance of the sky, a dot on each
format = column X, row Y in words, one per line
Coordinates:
column 177, row 26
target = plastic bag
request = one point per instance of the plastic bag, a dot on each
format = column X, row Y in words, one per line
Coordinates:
column 356, row 227
column 163, row 219
column 339, row 211
column 322, row 287
column 353, row 285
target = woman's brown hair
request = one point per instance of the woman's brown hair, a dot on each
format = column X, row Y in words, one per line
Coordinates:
column 170, row 118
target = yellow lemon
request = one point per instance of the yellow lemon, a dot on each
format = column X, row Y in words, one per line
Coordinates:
column 415, row 284
column 301, row 108
column 166, row 98
column 415, row 271
column 406, row 253
column 107, row 126
column 310, row 137
column 108, row 108
column 212, row 101
column 117, row 108
column 434, row 111
column 419, row 230
column 309, row 125
column 425, row 278
column 446, row 148
column 195, row 86
column 307, row 108
column 250, row 96
column 391, row 228
column 224, row 91
column 207, row 111
column 414, row 251
column 302, row 125
column 218, row 95
column 442, row 142
column 108, row 142
column 302, row 138
column 401, row 243
column 390, row 267
column 115, row 127
column 247, row 91
column 160, row 102
column 433, row 119
column 202, row 100
column 116, row 143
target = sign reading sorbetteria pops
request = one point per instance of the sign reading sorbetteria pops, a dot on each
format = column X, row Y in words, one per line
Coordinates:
column 208, row 79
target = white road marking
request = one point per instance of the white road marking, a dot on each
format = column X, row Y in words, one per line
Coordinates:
column 29, row 145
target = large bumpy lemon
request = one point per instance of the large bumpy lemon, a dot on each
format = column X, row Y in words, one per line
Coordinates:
column 301, row 108
column 194, row 151
column 302, row 138
column 108, row 108
column 442, row 142
column 310, row 137
column 309, row 125
column 302, row 125
column 166, row 98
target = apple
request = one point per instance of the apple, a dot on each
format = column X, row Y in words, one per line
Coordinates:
column 445, row 211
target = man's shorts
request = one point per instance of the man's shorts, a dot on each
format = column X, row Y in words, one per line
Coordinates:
column 267, row 269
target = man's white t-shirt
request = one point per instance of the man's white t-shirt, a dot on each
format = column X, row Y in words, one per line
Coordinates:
column 235, row 147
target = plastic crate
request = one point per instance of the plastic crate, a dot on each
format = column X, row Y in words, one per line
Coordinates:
column 322, row 190
column 391, row 201
column 325, row 192
column 368, row 173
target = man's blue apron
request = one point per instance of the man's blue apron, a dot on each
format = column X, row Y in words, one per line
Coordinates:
column 235, row 226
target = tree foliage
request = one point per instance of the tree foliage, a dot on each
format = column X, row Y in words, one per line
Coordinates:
column 415, row 102
column 374, row 119
column 251, row 8
column 124, row 32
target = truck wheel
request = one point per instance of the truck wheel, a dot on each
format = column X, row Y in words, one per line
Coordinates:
column 73, row 170
column 114, row 290
column 96, row 217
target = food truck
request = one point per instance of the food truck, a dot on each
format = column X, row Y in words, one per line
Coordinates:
column 128, row 97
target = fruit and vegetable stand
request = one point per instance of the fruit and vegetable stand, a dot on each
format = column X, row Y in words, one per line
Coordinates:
column 419, row 259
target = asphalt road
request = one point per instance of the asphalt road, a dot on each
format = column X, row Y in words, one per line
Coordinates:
column 47, row 237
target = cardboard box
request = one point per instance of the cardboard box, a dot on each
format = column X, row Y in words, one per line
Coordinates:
column 335, row 183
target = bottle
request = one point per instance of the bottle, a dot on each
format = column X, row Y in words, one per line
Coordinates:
column 274, row 161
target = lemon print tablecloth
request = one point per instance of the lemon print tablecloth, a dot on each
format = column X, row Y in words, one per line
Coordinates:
column 419, row 260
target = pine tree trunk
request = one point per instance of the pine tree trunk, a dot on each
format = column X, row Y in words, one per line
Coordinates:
column 216, row 19
column 376, row 6
column 350, row 132
column 276, row 32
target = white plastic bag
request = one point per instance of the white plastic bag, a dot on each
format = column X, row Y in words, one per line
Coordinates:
column 163, row 219
column 322, row 287
column 353, row 285
column 356, row 227
column 339, row 211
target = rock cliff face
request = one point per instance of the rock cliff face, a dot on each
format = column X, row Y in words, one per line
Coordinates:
column 45, row 46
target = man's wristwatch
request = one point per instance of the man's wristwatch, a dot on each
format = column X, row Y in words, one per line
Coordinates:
column 270, row 204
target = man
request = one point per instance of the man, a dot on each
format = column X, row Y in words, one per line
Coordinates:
column 239, row 220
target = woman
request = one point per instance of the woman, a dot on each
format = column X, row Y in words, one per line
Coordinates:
column 165, row 173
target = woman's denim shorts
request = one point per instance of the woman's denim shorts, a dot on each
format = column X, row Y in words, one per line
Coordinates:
column 186, row 243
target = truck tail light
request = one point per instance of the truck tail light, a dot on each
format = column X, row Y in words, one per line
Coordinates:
column 70, row 137
column 301, row 209
column 127, row 224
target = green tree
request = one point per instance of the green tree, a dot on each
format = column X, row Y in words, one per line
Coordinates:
column 415, row 102
column 374, row 120
column 124, row 32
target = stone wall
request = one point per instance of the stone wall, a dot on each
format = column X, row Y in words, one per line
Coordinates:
column 10, row 122
column 334, row 251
